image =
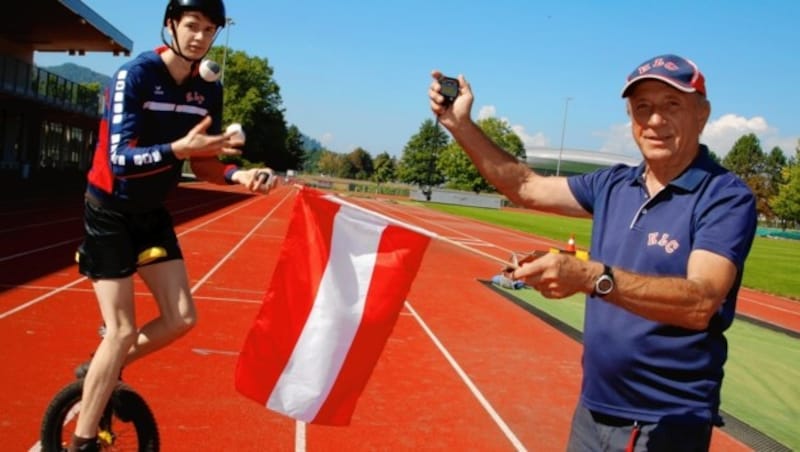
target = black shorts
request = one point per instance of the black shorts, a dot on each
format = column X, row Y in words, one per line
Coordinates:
column 114, row 240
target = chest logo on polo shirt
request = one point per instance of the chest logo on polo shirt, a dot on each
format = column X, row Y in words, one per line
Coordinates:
column 195, row 97
column 663, row 240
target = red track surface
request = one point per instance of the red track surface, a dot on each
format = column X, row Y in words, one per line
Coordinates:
column 463, row 370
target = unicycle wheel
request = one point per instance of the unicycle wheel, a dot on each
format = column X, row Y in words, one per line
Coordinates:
column 127, row 424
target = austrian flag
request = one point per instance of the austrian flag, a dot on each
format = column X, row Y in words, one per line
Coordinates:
column 334, row 298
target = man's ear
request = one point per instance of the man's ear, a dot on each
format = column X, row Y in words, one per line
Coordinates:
column 703, row 110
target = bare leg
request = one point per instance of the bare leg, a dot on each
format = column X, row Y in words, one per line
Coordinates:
column 115, row 297
column 170, row 287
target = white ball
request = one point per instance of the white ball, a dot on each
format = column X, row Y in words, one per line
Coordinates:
column 210, row 71
column 236, row 128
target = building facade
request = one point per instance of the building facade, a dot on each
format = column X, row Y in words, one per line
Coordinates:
column 48, row 124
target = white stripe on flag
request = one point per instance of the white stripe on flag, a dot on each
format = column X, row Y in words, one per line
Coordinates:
column 334, row 318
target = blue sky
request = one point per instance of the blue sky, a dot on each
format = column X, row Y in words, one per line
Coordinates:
column 355, row 72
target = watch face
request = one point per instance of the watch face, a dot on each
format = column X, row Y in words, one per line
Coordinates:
column 604, row 284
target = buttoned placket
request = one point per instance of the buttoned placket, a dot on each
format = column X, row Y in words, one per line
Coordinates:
column 648, row 200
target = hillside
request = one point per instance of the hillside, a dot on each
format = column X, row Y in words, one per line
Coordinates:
column 78, row 74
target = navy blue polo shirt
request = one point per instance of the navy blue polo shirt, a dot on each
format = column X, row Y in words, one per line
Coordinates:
column 633, row 367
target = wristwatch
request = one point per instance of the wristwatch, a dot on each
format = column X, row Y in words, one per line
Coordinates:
column 604, row 283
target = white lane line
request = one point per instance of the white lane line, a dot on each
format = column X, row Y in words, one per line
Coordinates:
column 208, row 351
column 467, row 381
column 38, row 445
column 41, row 298
column 76, row 239
column 44, row 248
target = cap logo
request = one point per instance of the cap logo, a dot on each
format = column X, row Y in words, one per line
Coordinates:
column 671, row 69
column 658, row 62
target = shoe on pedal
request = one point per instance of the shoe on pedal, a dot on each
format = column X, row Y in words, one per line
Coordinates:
column 79, row 444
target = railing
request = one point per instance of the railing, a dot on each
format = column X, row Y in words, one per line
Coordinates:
column 25, row 80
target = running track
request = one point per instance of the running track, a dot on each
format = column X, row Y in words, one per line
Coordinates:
column 463, row 370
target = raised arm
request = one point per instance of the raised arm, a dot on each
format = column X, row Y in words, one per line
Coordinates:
column 511, row 177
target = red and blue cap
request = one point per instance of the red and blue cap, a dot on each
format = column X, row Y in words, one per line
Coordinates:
column 678, row 72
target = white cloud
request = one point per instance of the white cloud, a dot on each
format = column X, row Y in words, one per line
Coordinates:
column 538, row 139
column 720, row 134
column 618, row 140
column 487, row 111
column 326, row 139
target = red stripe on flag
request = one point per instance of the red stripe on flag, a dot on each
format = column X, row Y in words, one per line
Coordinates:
column 399, row 256
column 288, row 301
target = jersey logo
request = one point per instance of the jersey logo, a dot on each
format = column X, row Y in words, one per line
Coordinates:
column 662, row 239
column 195, row 97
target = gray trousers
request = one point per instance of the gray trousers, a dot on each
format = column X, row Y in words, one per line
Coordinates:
column 597, row 432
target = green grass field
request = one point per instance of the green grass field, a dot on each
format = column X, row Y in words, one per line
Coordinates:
column 771, row 266
column 763, row 367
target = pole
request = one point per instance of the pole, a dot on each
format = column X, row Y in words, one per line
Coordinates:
column 229, row 22
column 563, row 130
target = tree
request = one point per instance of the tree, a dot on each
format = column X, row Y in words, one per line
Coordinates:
column 360, row 163
column 311, row 163
column 458, row 169
column 333, row 164
column 774, row 164
column 746, row 159
column 786, row 204
column 795, row 159
column 294, row 148
column 714, row 157
column 385, row 168
column 252, row 98
column 419, row 157
column 90, row 94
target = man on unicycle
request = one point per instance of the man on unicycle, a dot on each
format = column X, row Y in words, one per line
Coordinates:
column 159, row 112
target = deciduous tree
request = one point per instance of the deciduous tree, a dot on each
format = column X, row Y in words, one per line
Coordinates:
column 458, row 169
column 418, row 160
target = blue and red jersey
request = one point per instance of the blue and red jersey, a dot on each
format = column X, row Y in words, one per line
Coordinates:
column 145, row 111
column 636, row 368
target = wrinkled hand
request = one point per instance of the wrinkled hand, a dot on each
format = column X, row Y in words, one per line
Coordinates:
column 451, row 115
column 257, row 180
column 555, row 275
column 197, row 143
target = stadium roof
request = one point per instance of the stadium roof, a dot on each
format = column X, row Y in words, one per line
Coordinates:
column 61, row 25
column 575, row 161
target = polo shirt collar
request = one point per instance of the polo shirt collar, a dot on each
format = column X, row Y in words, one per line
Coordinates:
column 690, row 178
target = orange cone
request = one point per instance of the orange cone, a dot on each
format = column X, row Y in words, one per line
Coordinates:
column 571, row 244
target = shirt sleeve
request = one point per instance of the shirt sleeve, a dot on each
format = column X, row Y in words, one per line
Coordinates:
column 727, row 220
column 587, row 188
column 124, row 116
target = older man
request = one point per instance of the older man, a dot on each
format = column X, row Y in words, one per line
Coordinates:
column 669, row 241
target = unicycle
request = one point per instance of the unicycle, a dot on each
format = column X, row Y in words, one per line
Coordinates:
column 127, row 424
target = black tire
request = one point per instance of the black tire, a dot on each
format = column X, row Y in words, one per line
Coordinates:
column 127, row 425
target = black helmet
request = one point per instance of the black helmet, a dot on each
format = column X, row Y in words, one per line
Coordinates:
column 213, row 9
